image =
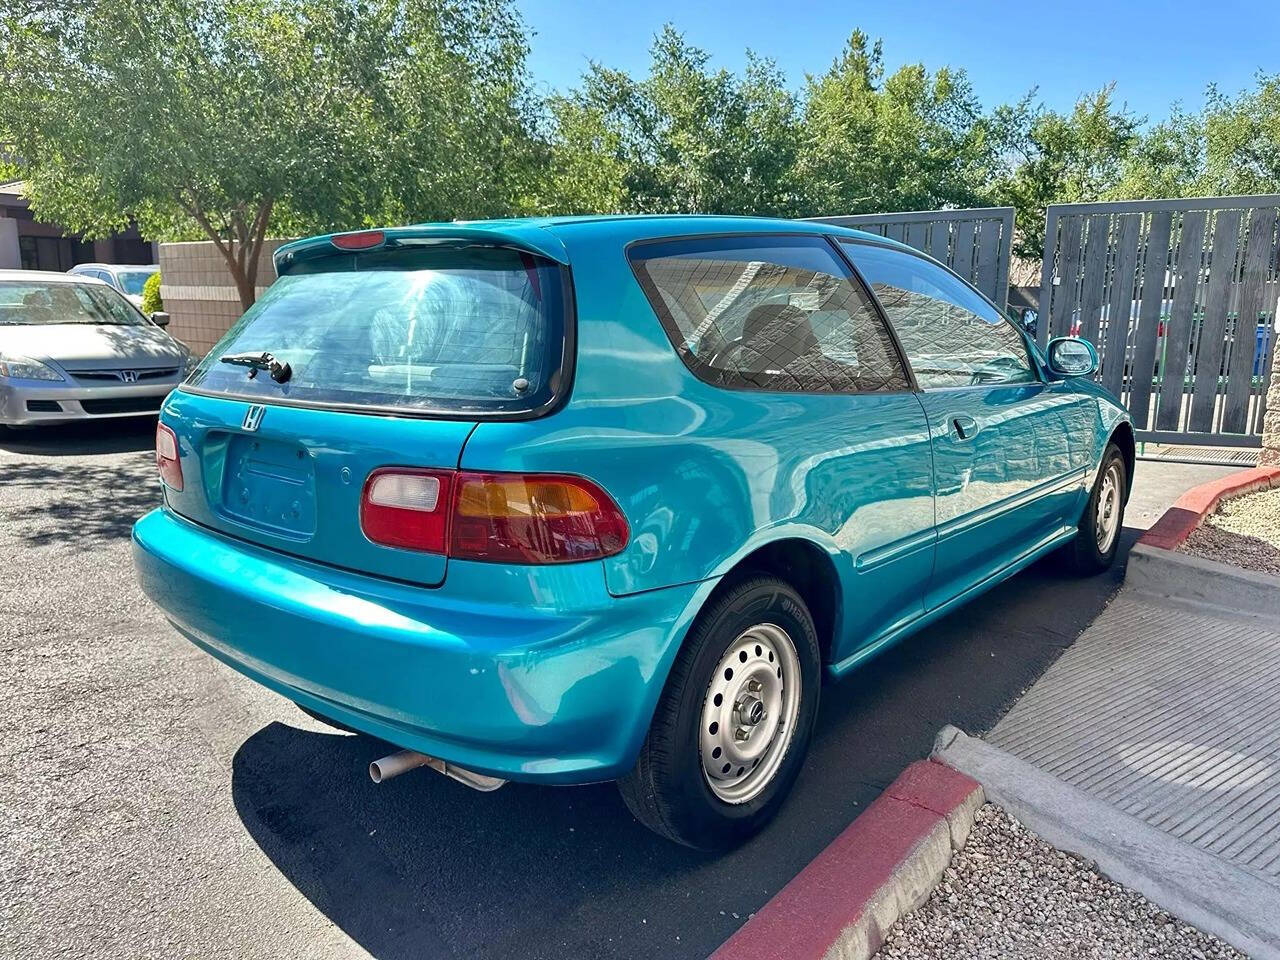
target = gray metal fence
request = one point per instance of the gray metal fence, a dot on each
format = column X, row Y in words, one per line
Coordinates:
column 974, row 243
column 1180, row 298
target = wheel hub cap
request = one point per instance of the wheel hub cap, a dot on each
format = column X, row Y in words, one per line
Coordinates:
column 1107, row 519
column 749, row 713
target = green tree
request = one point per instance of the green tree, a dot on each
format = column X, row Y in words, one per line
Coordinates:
column 1060, row 158
column 229, row 119
column 683, row 139
column 913, row 140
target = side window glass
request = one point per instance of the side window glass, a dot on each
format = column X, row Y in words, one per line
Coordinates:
column 952, row 336
column 770, row 313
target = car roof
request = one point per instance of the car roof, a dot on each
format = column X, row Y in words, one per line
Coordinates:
column 117, row 266
column 48, row 276
column 545, row 235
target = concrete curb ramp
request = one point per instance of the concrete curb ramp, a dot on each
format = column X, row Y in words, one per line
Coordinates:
column 884, row 865
column 1202, row 889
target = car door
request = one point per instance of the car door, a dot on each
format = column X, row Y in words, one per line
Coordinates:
column 1010, row 451
column 810, row 403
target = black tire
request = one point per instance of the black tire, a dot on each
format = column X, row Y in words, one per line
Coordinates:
column 1084, row 556
column 668, row 790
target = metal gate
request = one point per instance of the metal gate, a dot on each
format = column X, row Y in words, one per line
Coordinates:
column 974, row 243
column 1180, row 298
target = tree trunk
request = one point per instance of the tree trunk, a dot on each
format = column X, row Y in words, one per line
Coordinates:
column 1271, row 423
column 241, row 251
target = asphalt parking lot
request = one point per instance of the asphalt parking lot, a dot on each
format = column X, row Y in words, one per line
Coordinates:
column 154, row 803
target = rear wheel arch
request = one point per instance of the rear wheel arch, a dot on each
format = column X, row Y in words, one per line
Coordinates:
column 808, row 569
column 1123, row 437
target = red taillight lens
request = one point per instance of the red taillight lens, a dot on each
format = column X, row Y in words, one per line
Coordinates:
column 534, row 518
column 364, row 240
column 167, row 461
column 407, row 508
column 495, row 517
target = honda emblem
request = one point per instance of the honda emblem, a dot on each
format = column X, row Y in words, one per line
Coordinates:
column 129, row 376
column 253, row 416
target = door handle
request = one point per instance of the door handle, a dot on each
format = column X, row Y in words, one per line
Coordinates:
column 966, row 428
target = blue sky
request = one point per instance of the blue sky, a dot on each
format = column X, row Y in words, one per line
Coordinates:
column 1157, row 52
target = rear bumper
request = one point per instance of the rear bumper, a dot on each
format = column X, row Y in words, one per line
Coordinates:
column 518, row 672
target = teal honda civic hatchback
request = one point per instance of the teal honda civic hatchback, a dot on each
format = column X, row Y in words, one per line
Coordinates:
column 580, row 499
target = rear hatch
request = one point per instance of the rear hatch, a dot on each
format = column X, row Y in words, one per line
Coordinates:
column 394, row 353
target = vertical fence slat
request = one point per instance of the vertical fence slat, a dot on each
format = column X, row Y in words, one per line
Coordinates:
column 1213, row 323
column 896, row 231
column 1146, row 335
column 962, row 256
column 940, row 241
column 1177, row 343
column 1005, row 224
column 988, row 252
column 1235, row 414
column 1064, row 289
column 1046, row 275
column 916, row 234
column 1096, row 245
column 1121, row 303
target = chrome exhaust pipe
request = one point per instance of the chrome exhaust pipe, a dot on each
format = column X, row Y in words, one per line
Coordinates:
column 407, row 760
column 396, row 764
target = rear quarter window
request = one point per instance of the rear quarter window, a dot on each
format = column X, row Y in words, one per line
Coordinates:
column 467, row 331
column 762, row 312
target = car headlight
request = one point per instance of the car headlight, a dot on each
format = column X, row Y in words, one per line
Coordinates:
column 20, row 368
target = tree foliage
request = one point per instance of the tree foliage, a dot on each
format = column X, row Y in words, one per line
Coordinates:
column 1052, row 157
column 913, row 140
column 683, row 139
column 230, row 118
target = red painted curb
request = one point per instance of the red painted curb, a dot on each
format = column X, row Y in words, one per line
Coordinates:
column 1172, row 529
column 807, row 916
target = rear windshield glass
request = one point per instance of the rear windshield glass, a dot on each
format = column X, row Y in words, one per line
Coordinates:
column 132, row 281
column 452, row 330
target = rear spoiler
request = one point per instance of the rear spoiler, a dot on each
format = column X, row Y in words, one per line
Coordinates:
column 512, row 234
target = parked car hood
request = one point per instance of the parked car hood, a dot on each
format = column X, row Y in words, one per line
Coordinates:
column 84, row 345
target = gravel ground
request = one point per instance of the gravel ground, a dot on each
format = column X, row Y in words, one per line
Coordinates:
column 1009, row 895
column 1244, row 531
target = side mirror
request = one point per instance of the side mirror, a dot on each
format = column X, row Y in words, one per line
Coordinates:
column 160, row 318
column 1072, row 357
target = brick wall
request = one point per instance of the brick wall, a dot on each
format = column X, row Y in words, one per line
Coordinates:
column 198, row 292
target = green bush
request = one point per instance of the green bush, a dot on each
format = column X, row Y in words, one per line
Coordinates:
column 151, row 301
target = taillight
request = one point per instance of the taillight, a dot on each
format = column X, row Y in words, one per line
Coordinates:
column 495, row 517
column 407, row 508
column 534, row 518
column 167, row 462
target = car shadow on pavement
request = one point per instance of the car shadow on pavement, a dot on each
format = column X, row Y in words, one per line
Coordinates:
column 82, row 438
column 422, row 866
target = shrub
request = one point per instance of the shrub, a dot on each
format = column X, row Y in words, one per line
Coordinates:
column 151, row 301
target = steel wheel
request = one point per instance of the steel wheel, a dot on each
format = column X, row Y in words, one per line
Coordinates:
column 1107, row 520
column 749, row 713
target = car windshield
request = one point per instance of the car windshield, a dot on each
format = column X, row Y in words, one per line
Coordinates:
column 32, row 302
column 132, row 281
column 479, row 329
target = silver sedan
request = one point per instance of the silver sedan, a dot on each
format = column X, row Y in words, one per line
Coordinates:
column 74, row 348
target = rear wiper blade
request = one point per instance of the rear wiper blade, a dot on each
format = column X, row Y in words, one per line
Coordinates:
column 280, row 372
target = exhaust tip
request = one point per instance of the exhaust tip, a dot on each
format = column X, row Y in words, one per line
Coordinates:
column 375, row 772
